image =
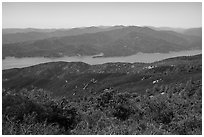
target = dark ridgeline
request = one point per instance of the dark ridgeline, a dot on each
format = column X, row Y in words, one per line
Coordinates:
column 64, row 78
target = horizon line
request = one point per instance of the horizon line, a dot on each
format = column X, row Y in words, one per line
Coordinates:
column 102, row 26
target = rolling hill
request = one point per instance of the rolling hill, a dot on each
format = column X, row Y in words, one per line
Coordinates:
column 77, row 79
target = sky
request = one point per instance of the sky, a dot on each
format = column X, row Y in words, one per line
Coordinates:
column 69, row 15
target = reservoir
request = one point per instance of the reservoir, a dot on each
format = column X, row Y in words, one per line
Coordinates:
column 12, row 62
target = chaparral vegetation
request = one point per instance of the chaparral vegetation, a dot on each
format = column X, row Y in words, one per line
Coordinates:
column 162, row 98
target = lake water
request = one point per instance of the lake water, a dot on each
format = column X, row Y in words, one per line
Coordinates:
column 12, row 62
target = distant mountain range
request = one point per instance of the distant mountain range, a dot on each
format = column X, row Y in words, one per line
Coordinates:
column 190, row 31
column 31, row 34
column 111, row 41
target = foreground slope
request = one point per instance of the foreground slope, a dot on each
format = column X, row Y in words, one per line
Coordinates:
column 161, row 98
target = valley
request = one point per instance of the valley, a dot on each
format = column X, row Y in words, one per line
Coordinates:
column 12, row 62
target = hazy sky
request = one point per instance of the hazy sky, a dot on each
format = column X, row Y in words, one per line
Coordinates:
column 67, row 15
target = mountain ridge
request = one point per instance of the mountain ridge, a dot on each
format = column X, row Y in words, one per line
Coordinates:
column 120, row 41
